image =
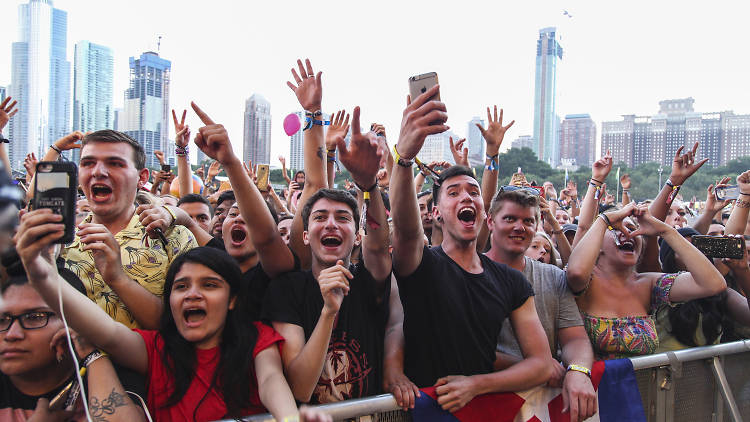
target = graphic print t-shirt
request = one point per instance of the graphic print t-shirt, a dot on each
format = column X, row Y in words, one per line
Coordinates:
column 354, row 362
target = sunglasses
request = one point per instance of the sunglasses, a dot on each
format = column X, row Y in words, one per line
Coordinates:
column 527, row 189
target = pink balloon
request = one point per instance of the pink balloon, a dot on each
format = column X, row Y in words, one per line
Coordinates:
column 291, row 124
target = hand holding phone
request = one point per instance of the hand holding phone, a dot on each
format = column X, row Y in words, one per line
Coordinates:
column 56, row 187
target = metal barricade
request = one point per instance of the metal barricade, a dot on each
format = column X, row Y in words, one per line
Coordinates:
column 703, row 384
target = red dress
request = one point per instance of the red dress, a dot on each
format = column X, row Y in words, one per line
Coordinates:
column 159, row 384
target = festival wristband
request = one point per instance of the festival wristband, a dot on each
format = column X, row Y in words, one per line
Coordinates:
column 401, row 161
column 579, row 368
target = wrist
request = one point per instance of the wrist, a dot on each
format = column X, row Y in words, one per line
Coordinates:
column 492, row 150
column 328, row 313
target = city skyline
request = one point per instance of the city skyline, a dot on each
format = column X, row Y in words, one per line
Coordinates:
column 92, row 89
column 546, row 121
column 599, row 68
column 40, row 80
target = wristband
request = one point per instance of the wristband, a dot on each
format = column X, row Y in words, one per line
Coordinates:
column 56, row 149
column 579, row 368
column 313, row 114
column 598, row 181
column 400, row 160
column 606, row 221
column 4, row 140
column 598, row 188
column 309, row 122
column 675, row 189
column 174, row 217
column 493, row 165
column 743, row 193
column 366, row 203
column 178, row 150
column 91, row 357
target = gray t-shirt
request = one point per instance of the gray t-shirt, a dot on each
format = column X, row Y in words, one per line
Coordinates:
column 553, row 301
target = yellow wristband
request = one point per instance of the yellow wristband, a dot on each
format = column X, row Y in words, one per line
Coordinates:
column 579, row 368
column 174, row 217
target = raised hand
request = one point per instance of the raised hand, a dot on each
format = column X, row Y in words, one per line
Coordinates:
column 713, row 205
column 213, row 139
column 617, row 216
column 69, row 141
column 362, row 156
column 309, row 90
column 251, row 170
column 625, row 181
column 495, row 131
column 460, row 154
column 33, row 240
column 334, row 285
column 282, row 160
column 29, row 163
column 214, row 169
column 199, row 172
column 421, row 118
column 339, row 128
column 601, row 168
column 743, row 182
column 159, row 156
column 182, row 131
column 684, row 165
column 7, row 111
column 647, row 224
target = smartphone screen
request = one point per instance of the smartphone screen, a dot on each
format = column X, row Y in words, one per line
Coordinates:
column 724, row 193
column 166, row 167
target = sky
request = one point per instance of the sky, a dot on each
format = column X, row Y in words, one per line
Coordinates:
column 619, row 57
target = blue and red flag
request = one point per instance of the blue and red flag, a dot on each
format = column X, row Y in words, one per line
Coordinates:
column 614, row 380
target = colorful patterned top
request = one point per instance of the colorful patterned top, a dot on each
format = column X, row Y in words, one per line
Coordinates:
column 144, row 260
column 615, row 338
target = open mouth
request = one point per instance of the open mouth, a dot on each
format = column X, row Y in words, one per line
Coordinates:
column 100, row 191
column 238, row 235
column 193, row 316
column 467, row 215
column 331, row 241
column 627, row 246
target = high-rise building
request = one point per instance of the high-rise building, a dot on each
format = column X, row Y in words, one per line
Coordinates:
column 146, row 113
column 548, row 52
column 118, row 119
column 92, row 88
column 735, row 139
column 40, row 80
column 296, row 144
column 257, row 131
column 578, row 140
column 523, row 141
column 3, row 93
column 437, row 148
column 475, row 142
column 641, row 139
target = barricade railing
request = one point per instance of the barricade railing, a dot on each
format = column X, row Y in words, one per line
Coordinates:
column 702, row 384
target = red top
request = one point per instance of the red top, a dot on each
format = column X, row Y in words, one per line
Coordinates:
column 159, row 384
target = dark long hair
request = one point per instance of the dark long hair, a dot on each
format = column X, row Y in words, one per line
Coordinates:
column 234, row 371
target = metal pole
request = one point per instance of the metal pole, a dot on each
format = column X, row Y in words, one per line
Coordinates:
column 726, row 391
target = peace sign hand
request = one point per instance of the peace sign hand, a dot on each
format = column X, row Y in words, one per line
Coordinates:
column 495, row 131
column 309, row 90
column 182, row 131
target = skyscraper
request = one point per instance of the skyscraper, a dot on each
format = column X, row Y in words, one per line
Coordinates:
column 475, row 142
column 523, row 141
column 578, row 140
column 92, row 88
column 40, row 80
column 2, row 93
column 296, row 153
column 548, row 51
column 437, row 148
column 146, row 113
column 257, row 133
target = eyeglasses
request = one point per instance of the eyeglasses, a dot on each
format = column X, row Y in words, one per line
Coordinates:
column 28, row 321
column 527, row 189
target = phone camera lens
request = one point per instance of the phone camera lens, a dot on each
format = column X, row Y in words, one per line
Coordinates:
column 424, row 89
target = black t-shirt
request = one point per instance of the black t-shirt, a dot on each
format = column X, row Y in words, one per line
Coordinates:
column 253, row 290
column 452, row 318
column 354, row 362
column 216, row 243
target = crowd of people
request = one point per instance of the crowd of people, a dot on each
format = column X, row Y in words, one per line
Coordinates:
column 232, row 300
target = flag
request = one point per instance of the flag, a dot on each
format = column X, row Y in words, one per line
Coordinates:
column 618, row 398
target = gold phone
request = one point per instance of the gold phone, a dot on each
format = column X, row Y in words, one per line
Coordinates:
column 262, row 177
column 421, row 83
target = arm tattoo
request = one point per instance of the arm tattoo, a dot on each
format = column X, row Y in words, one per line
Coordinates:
column 100, row 409
column 321, row 152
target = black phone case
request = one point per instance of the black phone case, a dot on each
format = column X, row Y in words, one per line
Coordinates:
column 720, row 246
column 60, row 200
